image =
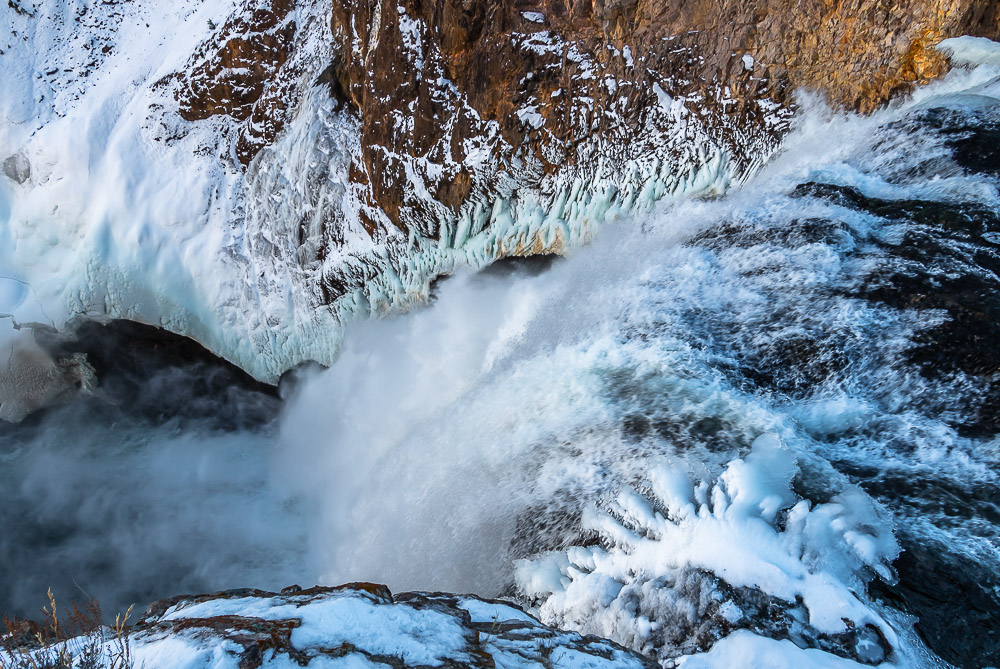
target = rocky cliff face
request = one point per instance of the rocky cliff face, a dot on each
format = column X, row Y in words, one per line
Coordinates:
column 535, row 119
column 465, row 97
column 295, row 164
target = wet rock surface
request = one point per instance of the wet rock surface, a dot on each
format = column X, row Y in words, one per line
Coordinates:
column 935, row 259
column 954, row 600
column 947, row 260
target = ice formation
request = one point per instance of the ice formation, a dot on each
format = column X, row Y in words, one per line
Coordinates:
column 681, row 565
column 968, row 50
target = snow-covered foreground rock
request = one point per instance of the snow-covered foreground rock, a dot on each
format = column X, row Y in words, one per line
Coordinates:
column 353, row 626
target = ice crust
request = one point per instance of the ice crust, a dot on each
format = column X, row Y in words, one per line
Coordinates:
column 969, row 50
column 747, row 528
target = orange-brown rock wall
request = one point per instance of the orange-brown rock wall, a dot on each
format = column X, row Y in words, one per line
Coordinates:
column 535, row 85
column 858, row 52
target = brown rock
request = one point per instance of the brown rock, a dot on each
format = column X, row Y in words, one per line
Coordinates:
column 538, row 84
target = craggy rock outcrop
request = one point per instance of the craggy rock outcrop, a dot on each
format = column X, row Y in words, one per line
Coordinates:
column 243, row 74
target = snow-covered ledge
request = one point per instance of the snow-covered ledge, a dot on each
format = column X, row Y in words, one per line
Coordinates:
column 352, row 626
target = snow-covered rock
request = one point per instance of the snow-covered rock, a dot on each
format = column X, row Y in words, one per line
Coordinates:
column 140, row 180
column 353, row 626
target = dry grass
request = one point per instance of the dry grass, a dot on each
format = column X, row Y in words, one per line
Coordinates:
column 76, row 640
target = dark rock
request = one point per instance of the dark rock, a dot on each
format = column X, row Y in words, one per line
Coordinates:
column 17, row 168
column 947, row 260
column 532, row 265
column 954, row 598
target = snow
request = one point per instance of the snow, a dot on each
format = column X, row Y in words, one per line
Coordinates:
column 529, row 116
column 746, row 650
column 748, row 62
column 412, row 40
column 661, row 95
column 108, row 216
column 351, row 628
column 487, row 612
column 534, row 17
column 971, row 50
column 817, row 555
column 415, row 635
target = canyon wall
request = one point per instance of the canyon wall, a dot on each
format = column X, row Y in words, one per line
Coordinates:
column 546, row 87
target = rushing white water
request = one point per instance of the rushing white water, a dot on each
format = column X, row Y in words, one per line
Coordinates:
column 728, row 364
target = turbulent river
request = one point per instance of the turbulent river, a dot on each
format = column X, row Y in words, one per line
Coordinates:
column 775, row 411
